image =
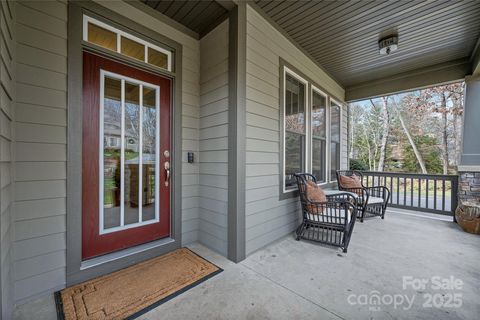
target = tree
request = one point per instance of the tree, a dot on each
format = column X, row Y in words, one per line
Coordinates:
column 384, row 135
column 427, row 147
column 386, row 127
column 385, row 130
column 417, row 153
column 446, row 102
column 366, row 142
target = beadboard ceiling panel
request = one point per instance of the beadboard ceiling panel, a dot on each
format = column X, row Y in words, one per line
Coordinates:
column 200, row 16
column 342, row 36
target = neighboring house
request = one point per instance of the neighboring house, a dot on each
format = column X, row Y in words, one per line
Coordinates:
column 230, row 109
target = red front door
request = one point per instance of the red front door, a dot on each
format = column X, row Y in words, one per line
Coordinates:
column 126, row 156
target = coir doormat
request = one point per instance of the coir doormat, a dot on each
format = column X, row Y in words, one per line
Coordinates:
column 130, row 292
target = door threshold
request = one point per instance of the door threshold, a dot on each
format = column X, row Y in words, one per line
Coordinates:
column 93, row 262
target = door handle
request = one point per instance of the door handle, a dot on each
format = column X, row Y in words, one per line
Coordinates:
column 167, row 173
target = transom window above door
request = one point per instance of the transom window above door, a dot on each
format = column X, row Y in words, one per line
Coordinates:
column 111, row 38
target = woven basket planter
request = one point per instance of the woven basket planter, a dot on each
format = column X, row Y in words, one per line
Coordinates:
column 468, row 217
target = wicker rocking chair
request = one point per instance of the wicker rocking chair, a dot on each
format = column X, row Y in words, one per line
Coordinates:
column 371, row 201
column 329, row 222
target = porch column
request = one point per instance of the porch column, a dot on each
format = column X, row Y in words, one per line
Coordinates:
column 237, row 131
column 469, row 168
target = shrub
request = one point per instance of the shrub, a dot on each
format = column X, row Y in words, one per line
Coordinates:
column 358, row 164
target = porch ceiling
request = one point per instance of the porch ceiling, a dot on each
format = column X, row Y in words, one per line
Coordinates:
column 200, row 16
column 342, row 36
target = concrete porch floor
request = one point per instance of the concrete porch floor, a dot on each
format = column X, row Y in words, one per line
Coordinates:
column 302, row 280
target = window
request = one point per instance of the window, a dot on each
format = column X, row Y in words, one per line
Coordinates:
column 334, row 139
column 108, row 37
column 311, row 131
column 319, row 135
column 132, row 49
column 157, row 58
column 102, row 37
column 295, row 129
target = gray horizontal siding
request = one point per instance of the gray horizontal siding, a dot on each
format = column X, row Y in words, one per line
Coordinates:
column 267, row 217
column 41, row 136
column 213, row 179
column 41, row 128
column 7, row 97
column 190, row 131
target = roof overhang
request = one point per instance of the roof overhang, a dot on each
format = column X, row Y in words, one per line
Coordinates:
column 451, row 71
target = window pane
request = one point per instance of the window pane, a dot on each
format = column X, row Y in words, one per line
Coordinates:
column 335, row 122
column 319, row 115
column 294, row 157
column 149, row 152
column 102, row 37
column 335, row 160
column 319, row 120
column 133, row 49
column 335, row 140
column 294, row 130
column 132, row 140
column 112, row 119
column 157, row 58
column 318, row 159
column 294, row 105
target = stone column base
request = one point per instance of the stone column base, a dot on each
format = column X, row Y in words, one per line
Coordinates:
column 469, row 186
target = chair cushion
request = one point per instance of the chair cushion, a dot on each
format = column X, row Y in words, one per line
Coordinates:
column 375, row 200
column 314, row 194
column 350, row 182
column 331, row 215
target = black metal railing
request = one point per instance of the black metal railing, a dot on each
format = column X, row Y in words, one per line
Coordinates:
column 433, row 193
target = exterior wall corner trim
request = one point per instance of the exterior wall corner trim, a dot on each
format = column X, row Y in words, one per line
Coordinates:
column 237, row 132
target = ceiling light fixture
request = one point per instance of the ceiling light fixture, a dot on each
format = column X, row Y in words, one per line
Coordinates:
column 388, row 44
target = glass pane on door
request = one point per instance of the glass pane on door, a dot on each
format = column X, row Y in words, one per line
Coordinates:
column 130, row 153
column 112, row 128
column 150, row 133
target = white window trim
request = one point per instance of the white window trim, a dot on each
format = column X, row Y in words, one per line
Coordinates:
column 340, row 106
column 120, row 33
column 122, row 226
column 307, row 123
column 327, row 130
column 310, row 87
